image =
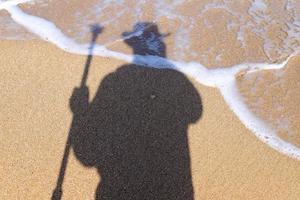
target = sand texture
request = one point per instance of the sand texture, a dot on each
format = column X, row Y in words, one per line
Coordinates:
column 227, row 160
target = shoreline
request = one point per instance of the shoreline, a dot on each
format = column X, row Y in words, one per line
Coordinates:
column 221, row 78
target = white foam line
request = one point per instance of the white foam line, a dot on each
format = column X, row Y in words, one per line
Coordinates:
column 6, row 4
column 221, row 78
column 265, row 133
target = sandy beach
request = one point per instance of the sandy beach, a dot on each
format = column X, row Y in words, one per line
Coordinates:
column 224, row 147
column 37, row 79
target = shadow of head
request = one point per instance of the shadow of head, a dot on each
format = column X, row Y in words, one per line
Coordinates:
column 145, row 39
column 135, row 130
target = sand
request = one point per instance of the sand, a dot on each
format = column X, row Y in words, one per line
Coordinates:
column 36, row 81
column 274, row 95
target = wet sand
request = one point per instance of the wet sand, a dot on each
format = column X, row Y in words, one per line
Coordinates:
column 37, row 79
column 214, row 33
column 274, row 95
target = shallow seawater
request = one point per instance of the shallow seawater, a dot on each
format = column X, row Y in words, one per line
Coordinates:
column 212, row 33
column 275, row 96
column 215, row 33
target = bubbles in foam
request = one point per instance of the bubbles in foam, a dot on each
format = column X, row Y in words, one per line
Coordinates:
column 258, row 5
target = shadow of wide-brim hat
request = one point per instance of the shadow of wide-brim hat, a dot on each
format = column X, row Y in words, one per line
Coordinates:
column 142, row 28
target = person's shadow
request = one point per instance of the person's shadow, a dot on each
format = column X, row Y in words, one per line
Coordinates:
column 135, row 129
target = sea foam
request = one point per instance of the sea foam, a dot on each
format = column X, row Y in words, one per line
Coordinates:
column 221, row 78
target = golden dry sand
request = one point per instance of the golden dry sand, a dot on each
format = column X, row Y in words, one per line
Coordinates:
column 36, row 81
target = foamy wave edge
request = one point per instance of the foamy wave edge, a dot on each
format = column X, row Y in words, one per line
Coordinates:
column 221, row 78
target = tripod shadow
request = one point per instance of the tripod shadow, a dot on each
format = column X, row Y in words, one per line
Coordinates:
column 135, row 129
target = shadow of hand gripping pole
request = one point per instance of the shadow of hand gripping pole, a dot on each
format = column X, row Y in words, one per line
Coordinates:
column 81, row 91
